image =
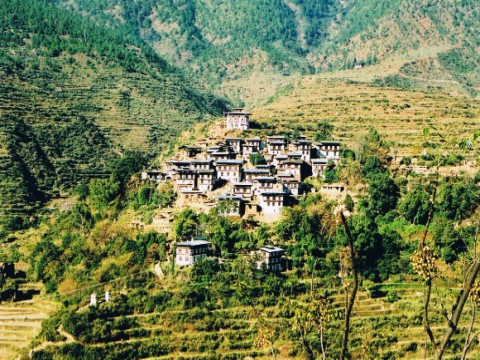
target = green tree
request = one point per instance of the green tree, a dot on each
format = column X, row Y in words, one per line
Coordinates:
column 257, row 159
column 330, row 173
column 383, row 194
column 415, row 206
column 185, row 224
column 324, row 131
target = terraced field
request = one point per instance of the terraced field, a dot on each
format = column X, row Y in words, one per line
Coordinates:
column 20, row 323
column 387, row 327
column 352, row 107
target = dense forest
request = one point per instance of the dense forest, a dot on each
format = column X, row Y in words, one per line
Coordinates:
column 224, row 41
column 74, row 96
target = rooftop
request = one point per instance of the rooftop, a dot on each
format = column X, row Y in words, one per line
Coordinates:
column 229, row 162
column 271, row 249
column 266, row 179
column 256, row 171
column 329, row 143
column 273, row 193
column 229, row 197
column 193, row 243
column 320, row 161
column 243, row 184
column 202, row 161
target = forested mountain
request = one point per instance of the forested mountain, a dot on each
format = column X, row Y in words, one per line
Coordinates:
column 225, row 41
column 73, row 96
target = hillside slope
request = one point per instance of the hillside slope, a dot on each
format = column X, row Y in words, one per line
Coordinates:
column 73, row 96
column 241, row 43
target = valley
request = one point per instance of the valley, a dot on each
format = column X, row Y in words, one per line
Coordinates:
column 189, row 179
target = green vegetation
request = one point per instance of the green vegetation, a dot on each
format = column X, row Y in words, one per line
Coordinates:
column 74, row 97
column 228, row 308
column 234, row 43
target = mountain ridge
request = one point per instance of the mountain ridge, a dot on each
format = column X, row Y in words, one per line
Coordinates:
column 212, row 39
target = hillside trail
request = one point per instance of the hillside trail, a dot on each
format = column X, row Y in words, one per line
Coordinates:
column 68, row 339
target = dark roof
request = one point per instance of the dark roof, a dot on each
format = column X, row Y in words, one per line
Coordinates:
column 290, row 181
column 273, row 193
column 178, row 162
column 253, row 139
column 256, row 171
column 303, row 142
column 205, row 171
column 229, row 162
column 193, row 243
column 295, row 162
column 186, row 170
column 266, row 179
column 231, row 197
column 202, row 161
column 276, row 142
column 243, row 184
column 329, row 143
column 233, row 139
column 238, row 112
column 272, row 249
column 192, row 147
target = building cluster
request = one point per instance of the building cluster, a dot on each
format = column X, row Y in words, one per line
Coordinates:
column 258, row 176
column 243, row 177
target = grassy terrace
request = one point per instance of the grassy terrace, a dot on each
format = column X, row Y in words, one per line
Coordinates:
column 399, row 115
column 386, row 327
column 20, row 323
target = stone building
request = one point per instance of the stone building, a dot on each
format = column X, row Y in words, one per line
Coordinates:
column 251, row 146
column 319, row 166
column 330, row 150
column 230, row 205
column 243, row 189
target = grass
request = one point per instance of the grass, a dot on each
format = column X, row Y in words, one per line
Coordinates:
column 20, row 323
column 399, row 115
column 380, row 327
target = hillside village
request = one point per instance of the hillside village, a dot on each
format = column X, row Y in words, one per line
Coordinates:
column 247, row 177
column 242, row 177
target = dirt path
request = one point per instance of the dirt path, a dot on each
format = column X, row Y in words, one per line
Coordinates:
column 68, row 339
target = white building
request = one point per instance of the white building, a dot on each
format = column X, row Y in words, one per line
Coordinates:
column 330, row 150
column 230, row 170
column 319, row 166
column 269, row 257
column 189, row 252
column 271, row 202
column 237, row 119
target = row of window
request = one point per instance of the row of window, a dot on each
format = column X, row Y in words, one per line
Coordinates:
column 274, row 203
